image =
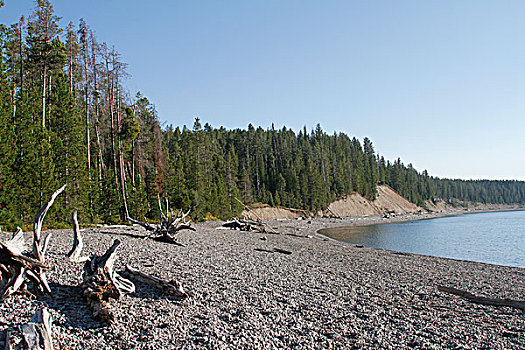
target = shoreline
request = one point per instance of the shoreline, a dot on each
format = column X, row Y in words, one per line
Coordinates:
column 326, row 294
column 409, row 217
column 405, row 218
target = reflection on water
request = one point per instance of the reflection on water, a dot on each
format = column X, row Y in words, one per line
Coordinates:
column 496, row 238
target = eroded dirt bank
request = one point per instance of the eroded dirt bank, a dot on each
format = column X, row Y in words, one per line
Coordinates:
column 388, row 202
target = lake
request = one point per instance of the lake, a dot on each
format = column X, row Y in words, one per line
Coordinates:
column 495, row 237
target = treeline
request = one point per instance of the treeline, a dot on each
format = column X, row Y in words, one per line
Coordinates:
column 419, row 187
column 66, row 118
column 208, row 168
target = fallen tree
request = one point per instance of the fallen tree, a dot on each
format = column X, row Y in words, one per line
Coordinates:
column 17, row 270
column 517, row 304
column 169, row 225
column 259, row 222
column 101, row 283
column 244, row 225
column 274, row 250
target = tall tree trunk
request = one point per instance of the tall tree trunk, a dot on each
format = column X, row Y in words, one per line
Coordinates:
column 112, row 122
column 133, row 163
column 88, row 124
column 71, row 73
column 120, row 153
column 20, row 51
column 100, row 161
column 13, row 101
column 44, row 98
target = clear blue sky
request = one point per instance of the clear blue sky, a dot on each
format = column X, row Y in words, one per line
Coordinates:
column 440, row 84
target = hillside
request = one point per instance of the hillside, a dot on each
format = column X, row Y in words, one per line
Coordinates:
column 387, row 201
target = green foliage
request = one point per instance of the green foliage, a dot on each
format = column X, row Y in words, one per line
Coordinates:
column 64, row 120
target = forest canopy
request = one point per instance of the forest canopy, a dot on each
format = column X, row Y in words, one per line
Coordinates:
column 67, row 118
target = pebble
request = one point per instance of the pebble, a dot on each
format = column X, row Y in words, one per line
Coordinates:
column 324, row 295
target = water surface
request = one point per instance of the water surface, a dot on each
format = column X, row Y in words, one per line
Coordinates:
column 495, row 238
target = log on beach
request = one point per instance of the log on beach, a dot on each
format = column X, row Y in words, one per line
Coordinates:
column 517, row 304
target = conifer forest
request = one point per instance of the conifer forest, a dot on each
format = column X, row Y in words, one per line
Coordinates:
column 67, row 118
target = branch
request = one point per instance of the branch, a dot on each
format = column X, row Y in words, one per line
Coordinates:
column 78, row 244
column 172, row 287
column 147, row 226
column 38, row 249
column 17, row 243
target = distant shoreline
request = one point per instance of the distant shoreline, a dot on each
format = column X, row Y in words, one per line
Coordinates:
column 367, row 220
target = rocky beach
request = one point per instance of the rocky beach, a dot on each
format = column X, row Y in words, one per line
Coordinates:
column 325, row 294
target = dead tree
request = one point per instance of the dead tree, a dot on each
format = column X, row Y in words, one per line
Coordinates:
column 40, row 243
column 244, row 225
column 101, row 283
column 17, row 269
column 169, row 225
column 259, row 221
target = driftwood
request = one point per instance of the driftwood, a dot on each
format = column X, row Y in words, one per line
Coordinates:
column 17, row 269
column 244, row 225
column 78, row 244
column 39, row 245
column 35, row 335
column 259, row 219
column 101, row 282
column 274, row 250
column 517, row 304
column 38, row 333
column 169, row 225
column 172, row 287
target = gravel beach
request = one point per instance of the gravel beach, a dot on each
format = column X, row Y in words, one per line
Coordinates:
column 324, row 295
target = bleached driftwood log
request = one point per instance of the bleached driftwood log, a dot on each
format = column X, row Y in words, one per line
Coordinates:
column 517, row 304
column 101, row 283
column 172, row 287
column 259, row 220
column 40, row 243
column 35, row 335
column 17, row 269
column 38, row 334
column 245, row 225
column 78, row 244
column 169, row 225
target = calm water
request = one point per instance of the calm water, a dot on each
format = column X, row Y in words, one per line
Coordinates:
column 495, row 238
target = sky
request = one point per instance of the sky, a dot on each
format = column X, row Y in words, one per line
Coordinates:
column 439, row 84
